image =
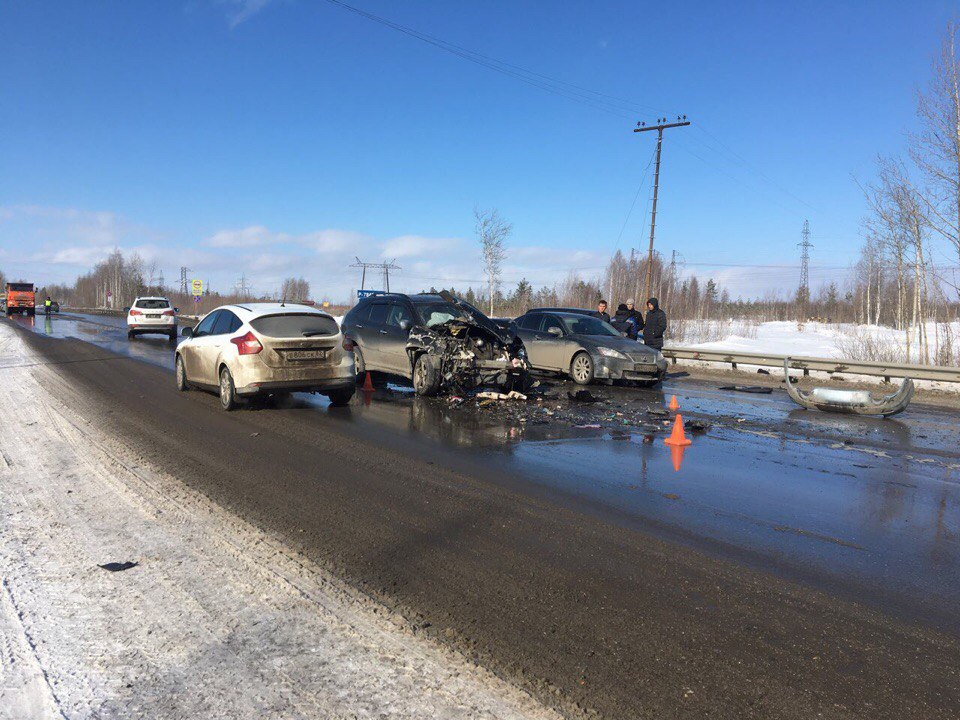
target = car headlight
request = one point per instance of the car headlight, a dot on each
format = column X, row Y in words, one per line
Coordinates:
column 611, row 353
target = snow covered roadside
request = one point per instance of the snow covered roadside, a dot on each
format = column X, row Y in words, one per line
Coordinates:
column 820, row 340
column 217, row 620
column 778, row 338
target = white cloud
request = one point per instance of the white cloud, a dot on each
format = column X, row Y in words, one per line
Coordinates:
column 410, row 246
column 242, row 10
column 66, row 242
column 332, row 241
column 243, row 238
column 85, row 256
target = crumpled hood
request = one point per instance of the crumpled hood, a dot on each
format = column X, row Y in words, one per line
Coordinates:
column 473, row 316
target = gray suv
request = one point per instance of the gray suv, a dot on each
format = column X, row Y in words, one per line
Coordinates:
column 437, row 341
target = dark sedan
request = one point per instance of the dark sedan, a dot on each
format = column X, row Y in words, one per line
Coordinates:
column 586, row 348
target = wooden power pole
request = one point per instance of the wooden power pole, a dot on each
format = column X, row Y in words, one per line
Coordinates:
column 661, row 125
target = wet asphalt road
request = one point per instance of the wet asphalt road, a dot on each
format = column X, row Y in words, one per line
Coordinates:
column 867, row 507
column 866, row 510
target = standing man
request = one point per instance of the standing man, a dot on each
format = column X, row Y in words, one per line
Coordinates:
column 602, row 311
column 625, row 322
column 635, row 314
column 655, row 325
column 47, row 305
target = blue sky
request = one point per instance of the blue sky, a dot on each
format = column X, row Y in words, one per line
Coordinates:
column 283, row 137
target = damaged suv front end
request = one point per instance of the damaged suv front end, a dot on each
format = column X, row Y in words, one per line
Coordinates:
column 439, row 342
column 465, row 352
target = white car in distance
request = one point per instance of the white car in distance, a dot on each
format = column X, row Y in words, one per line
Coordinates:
column 253, row 349
column 152, row 315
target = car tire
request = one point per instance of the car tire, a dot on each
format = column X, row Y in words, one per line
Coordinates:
column 181, row 374
column 426, row 376
column 339, row 398
column 131, row 334
column 172, row 336
column 228, row 391
column 581, row 368
column 358, row 362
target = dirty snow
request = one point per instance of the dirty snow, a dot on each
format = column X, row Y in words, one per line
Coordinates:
column 217, row 620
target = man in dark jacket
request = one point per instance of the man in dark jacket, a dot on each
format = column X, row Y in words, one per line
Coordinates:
column 602, row 311
column 635, row 314
column 624, row 322
column 655, row 325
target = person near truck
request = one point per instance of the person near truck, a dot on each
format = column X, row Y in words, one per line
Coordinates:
column 655, row 325
column 601, row 311
column 47, row 305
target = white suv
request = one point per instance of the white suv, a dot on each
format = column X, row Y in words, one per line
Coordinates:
column 152, row 315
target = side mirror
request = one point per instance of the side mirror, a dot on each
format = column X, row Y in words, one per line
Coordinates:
column 556, row 332
column 176, row 310
column 404, row 325
column 187, row 332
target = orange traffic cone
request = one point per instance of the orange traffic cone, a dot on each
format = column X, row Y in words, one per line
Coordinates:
column 676, row 456
column 677, row 438
column 367, row 384
column 674, row 405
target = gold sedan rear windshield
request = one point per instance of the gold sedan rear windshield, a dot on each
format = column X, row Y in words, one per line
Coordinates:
column 295, row 325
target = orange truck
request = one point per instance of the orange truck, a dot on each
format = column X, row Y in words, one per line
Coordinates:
column 21, row 298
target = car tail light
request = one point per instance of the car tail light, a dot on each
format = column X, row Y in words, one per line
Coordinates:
column 348, row 343
column 247, row 344
column 134, row 311
column 168, row 313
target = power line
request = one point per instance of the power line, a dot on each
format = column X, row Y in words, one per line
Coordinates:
column 585, row 96
column 643, row 181
column 384, row 268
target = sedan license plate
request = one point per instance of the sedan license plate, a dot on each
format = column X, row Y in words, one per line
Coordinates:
column 639, row 367
column 153, row 317
column 305, row 354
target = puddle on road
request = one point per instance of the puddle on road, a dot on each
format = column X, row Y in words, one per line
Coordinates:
column 819, row 496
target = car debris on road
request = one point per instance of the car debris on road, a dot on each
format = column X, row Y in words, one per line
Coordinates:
column 755, row 389
column 853, row 402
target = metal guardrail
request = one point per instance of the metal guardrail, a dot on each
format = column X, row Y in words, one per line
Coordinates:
column 827, row 365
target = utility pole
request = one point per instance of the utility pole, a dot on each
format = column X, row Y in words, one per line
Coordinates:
column 661, row 125
column 803, row 291
column 384, row 268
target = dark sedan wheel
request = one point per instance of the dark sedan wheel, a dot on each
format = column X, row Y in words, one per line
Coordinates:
column 182, row 384
column 228, row 393
column 581, row 368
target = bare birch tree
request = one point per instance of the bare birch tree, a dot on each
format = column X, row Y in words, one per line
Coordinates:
column 935, row 149
column 295, row 290
column 492, row 231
